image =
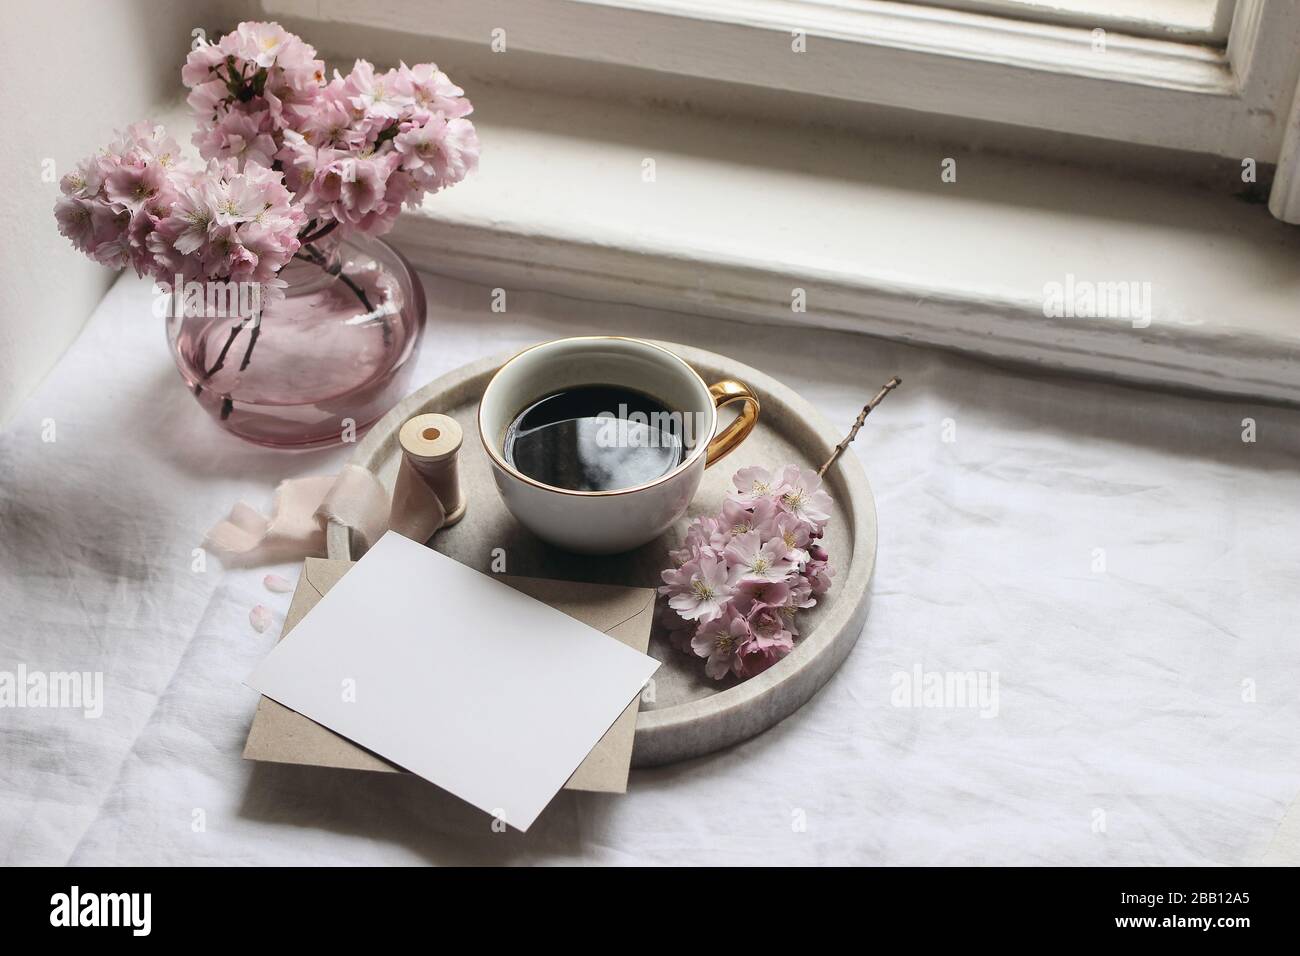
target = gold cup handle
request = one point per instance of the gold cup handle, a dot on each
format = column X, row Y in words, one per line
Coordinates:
column 728, row 393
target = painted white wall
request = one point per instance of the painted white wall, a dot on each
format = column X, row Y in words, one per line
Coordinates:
column 73, row 71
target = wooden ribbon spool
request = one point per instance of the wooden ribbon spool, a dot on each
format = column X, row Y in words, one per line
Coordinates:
column 430, row 444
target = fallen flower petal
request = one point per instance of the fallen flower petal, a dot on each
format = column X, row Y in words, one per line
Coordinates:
column 277, row 584
column 260, row 618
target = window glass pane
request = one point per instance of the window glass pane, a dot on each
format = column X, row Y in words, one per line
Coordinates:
column 1192, row 21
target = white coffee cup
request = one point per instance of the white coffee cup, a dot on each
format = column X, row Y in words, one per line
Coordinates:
column 607, row 522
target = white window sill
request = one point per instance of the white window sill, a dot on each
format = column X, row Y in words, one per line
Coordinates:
column 741, row 214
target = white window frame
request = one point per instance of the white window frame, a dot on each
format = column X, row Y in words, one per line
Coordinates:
column 1237, row 102
column 1159, row 19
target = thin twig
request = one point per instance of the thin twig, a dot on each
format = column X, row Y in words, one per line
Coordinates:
column 311, row 237
column 888, row 387
column 252, row 340
column 225, row 349
column 308, row 254
column 314, row 256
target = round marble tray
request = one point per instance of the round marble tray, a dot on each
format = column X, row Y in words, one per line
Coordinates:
column 690, row 714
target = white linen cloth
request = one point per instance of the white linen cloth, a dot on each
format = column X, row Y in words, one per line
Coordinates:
column 1121, row 558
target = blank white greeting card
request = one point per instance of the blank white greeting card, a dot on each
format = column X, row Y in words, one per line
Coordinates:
column 480, row 689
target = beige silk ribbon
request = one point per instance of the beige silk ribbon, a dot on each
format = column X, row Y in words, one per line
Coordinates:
column 303, row 507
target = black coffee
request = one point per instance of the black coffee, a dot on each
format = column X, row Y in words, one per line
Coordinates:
column 595, row 438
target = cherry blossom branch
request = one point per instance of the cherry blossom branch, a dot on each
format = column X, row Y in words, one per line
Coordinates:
column 309, row 254
column 313, row 256
column 321, row 233
column 252, row 340
column 227, row 404
column 225, row 350
column 888, row 387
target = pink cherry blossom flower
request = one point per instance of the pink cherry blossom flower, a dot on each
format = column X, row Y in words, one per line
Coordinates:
column 794, row 532
column 397, row 191
column 767, row 537
column 260, row 96
column 291, row 155
column 351, row 187
column 192, row 214
column 68, row 207
column 799, row 598
column 754, row 483
column 720, row 641
column 757, row 595
column 439, row 153
column 109, row 244
column 132, row 186
column 84, row 181
column 740, row 517
column 802, row 496
column 96, row 227
column 258, row 43
column 703, row 535
column 229, row 225
column 752, row 660
column 242, row 136
column 819, row 571
column 768, row 643
column 699, row 589
column 752, row 559
column 331, row 124
column 75, row 217
column 384, row 95
column 434, row 92
column 145, row 143
column 207, row 101
column 248, row 88
column 459, row 154
column 767, row 629
column 201, row 65
column 144, row 222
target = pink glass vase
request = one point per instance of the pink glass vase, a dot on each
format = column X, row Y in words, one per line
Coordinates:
column 317, row 367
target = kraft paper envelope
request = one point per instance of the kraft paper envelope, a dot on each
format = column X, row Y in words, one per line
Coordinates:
column 478, row 688
column 281, row 735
